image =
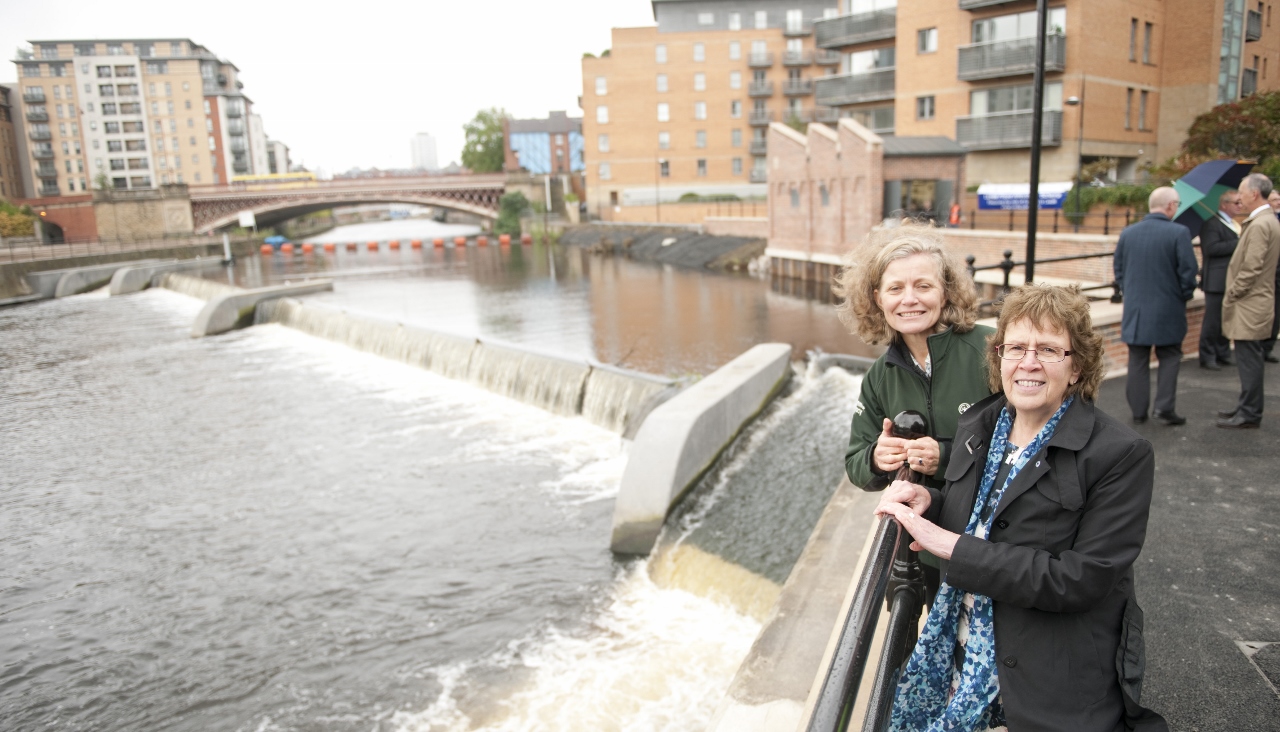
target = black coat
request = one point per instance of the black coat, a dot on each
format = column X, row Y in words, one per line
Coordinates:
column 1217, row 244
column 1155, row 267
column 1058, row 566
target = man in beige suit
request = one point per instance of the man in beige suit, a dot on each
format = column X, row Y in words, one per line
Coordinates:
column 1248, row 307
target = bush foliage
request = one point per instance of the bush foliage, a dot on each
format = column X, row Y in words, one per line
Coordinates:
column 510, row 207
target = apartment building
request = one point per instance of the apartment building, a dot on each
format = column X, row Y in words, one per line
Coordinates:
column 422, row 152
column 683, row 106
column 129, row 114
column 1124, row 78
column 10, row 176
column 551, row 145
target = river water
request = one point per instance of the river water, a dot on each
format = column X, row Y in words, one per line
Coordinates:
column 267, row 531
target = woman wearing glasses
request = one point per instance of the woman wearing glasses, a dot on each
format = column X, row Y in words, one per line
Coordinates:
column 1042, row 516
column 901, row 288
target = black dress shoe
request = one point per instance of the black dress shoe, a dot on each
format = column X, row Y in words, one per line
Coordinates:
column 1227, row 414
column 1271, row 358
column 1227, row 361
column 1211, row 365
column 1170, row 418
column 1139, row 420
column 1237, row 423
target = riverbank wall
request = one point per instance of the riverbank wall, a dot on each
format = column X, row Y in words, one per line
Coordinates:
column 682, row 246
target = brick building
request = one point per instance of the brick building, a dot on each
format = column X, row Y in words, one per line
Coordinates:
column 683, row 107
column 543, row 146
column 10, row 174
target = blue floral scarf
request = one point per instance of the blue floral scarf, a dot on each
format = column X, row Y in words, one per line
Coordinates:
column 921, row 704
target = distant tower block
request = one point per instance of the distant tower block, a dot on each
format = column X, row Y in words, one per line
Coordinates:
column 423, row 150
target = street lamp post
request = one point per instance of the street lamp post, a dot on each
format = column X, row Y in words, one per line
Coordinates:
column 1073, row 102
column 657, row 192
column 1037, row 123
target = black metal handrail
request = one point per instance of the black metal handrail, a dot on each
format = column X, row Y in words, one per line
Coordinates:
column 1007, row 265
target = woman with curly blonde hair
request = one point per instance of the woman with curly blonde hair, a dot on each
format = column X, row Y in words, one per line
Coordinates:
column 901, row 288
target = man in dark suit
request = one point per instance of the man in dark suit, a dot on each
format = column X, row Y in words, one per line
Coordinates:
column 1218, row 238
column 1155, row 269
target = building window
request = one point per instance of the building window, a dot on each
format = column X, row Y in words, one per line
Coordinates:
column 700, row 138
column 1146, row 43
column 662, row 82
column 31, row 69
column 735, row 50
column 606, row 172
column 115, row 49
column 737, row 166
column 927, row 40
column 762, row 19
column 602, row 86
column 664, row 140
column 1133, row 39
column 702, row 167
column 1142, row 109
column 735, row 79
column 699, row 81
column 706, row 18
column 157, row 67
column 795, row 21
column 865, row 62
column 602, row 115
column 664, row 168
column 104, row 72
column 699, row 52
column 1128, row 109
column 735, row 108
column 924, row 107
column 825, row 194
column 699, row 110
column 1017, row 25
column 795, row 198
column 664, row 112
column 660, row 53
column 602, row 143
column 736, row 138
column 999, row 99
column 735, row 21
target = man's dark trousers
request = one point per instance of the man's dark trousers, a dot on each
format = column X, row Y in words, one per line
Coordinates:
column 1214, row 347
column 1137, row 387
column 1250, row 365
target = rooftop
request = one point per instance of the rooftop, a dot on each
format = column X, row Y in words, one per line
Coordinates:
column 917, row 147
column 555, row 122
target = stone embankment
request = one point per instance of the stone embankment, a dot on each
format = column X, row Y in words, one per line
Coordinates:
column 681, row 246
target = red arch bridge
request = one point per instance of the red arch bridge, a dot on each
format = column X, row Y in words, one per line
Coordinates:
column 216, row 207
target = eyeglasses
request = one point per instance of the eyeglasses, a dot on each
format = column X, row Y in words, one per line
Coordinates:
column 1044, row 354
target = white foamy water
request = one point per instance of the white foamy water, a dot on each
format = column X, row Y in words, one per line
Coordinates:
column 651, row 659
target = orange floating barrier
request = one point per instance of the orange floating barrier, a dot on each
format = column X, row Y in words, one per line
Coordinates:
column 526, row 238
column 437, row 242
column 266, row 249
column 308, row 248
column 351, row 246
column 286, row 249
column 504, row 239
column 459, row 241
column 416, row 243
column 373, row 246
column 329, row 246
column 394, row 244
column 482, row 241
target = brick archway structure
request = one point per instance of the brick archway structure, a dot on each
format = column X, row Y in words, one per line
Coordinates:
column 213, row 208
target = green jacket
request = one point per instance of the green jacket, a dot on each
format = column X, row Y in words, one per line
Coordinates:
column 893, row 384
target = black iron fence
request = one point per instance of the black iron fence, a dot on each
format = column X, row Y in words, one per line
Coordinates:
column 1008, row 264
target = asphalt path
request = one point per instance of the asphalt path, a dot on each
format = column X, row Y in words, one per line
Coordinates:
column 1208, row 578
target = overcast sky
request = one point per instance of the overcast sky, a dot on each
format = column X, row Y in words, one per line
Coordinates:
column 347, row 84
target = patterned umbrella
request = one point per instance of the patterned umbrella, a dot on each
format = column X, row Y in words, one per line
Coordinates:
column 1200, row 189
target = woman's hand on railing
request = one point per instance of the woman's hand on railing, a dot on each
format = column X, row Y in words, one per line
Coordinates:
column 904, row 493
column 927, row 535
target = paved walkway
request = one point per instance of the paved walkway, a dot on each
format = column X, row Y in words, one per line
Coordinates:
column 1209, row 575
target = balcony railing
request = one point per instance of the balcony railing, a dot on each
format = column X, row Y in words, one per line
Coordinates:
column 797, row 87
column 1253, row 26
column 760, row 89
column 47, row 191
column 235, row 127
column 1006, row 130
column 47, row 170
column 975, row 4
column 1010, row 58
column 1248, row 82
column 41, row 153
column 234, row 112
column 796, row 30
column 759, row 147
column 33, row 96
column 846, row 30
column 797, row 58
column 37, row 115
column 826, row 115
column 842, row 89
column 40, row 135
column 760, row 60
column 826, row 57
column 760, row 117
column 759, row 176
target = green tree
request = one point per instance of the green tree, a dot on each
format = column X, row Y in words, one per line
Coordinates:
column 483, row 152
column 1249, row 128
column 510, row 207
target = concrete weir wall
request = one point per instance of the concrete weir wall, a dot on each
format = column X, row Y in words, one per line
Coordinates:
column 680, row 440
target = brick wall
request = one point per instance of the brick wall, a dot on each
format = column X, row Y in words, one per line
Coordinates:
column 74, row 214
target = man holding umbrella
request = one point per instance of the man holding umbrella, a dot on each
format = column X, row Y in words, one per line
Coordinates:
column 1218, row 238
column 1248, row 307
